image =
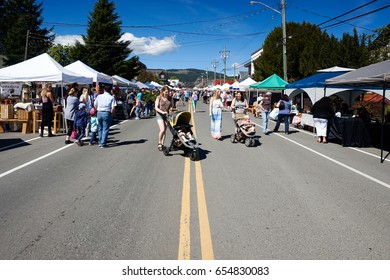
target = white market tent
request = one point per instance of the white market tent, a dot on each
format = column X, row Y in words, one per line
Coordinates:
column 120, row 81
column 141, row 85
column 42, row 68
column 336, row 69
column 235, row 86
column 85, row 70
column 157, row 85
column 244, row 85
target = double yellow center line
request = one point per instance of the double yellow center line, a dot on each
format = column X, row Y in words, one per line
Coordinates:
column 204, row 226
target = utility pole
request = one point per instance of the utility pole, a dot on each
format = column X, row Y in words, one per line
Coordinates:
column 214, row 63
column 26, row 47
column 224, row 55
column 235, row 66
column 283, row 14
column 284, row 40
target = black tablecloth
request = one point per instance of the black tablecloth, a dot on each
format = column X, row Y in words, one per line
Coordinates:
column 352, row 132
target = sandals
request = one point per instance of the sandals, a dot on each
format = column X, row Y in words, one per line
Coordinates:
column 160, row 147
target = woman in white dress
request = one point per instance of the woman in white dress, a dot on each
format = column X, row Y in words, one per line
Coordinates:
column 216, row 106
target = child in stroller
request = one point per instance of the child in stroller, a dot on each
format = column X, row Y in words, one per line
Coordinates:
column 183, row 139
column 245, row 128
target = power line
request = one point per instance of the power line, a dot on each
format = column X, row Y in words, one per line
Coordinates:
column 359, row 16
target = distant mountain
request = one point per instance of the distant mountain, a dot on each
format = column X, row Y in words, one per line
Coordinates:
column 189, row 77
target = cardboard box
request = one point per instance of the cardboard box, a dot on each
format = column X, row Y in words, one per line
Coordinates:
column 7, row 111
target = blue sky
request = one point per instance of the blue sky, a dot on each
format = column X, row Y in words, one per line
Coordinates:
column 192, row 33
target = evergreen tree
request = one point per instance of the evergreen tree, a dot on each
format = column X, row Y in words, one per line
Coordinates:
column 352, row 51
column 102, row 49
column 2, row 27
column 309, row 49
column 21, row 21
column 379, row 45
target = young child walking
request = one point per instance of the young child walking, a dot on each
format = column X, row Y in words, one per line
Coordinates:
column 80, row 123
column 93, row 126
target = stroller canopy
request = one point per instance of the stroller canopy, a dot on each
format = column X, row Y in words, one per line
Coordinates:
column 180, row 118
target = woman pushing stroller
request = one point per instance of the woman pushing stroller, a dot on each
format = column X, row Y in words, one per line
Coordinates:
column 239, row 106
column 162, row 106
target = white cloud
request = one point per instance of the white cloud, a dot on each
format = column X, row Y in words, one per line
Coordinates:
column 68, row 39
column 150, row 45
column 140, row 45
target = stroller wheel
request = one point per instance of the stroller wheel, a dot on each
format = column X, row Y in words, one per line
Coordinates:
column 233, row 138
column 193, row 154
column 166, row 151
column 248, row 142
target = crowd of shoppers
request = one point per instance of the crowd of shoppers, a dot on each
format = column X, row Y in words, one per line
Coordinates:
column 89, row 112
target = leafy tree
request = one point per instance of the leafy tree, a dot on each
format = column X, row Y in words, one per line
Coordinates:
column 103, row 50
column 21, row 20
column 146, row 76
column 61, row 54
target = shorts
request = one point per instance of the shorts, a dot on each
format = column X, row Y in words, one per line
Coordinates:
column 159, row 117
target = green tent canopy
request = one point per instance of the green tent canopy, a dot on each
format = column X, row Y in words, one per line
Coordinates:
column 273, row 82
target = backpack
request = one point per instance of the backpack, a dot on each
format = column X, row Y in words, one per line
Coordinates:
column 195, row 97
column 281, row 105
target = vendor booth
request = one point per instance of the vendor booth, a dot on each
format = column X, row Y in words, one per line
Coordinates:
column 375, row 78
column 41, row 68
column 84, row 70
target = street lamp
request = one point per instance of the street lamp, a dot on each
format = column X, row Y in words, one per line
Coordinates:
column 283, row 13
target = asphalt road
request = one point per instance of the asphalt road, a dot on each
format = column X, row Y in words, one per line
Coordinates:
column 287, row 198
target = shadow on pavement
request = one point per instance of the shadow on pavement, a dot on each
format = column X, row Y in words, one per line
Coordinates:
column 12, row 143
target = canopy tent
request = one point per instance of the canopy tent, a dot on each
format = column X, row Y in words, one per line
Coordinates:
column 141, row 85
column 225, row 86
column 120, row 81
column 83, row 69
column 273, row 82
column 374, row 75
column 370, row 77
column 42, row 68
column 153, row 85
column 312, row 85
column 244, row 85
column 336, row 69
column 157, row 85
column 235, row 86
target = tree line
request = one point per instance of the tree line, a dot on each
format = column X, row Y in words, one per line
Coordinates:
column 310, row 49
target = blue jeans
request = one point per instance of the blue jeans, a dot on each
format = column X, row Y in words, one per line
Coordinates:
column 104, row 121
column 137, row 112
column 265, row 117
column 93, row 137
column 80, row 132
column 286, row 118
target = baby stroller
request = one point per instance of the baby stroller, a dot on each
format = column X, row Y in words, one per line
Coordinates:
column 245, row 128
column 183, row 139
